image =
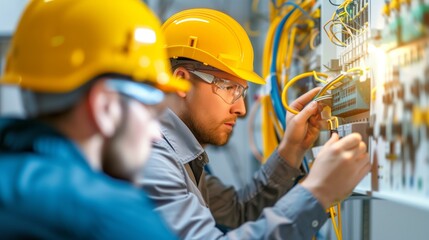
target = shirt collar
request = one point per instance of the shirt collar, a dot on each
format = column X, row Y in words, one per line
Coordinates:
column 180, row 138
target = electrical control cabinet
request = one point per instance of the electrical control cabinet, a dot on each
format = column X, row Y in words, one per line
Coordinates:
column 399, row 114
column 389, row 102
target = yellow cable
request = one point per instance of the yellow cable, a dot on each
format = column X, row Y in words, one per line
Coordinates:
column 276, row 124
column 269, row 138
column 291, row 46
column 331, row 35
column 266, row 58
column 339, row 78
column 290, row 83
column 285, row 47
column 334, row 36
column 334, row 223
column 317, row 78
column 286, row 44
column 305, row 37
column 273, row 11
column 290, row 43
column 271, row 127
column 340, row 227
column 329, row 85
column 274, row 23
column 361, row 70
column 335, row 20
column 343, row 24
column 282, row 50
column 313, row 36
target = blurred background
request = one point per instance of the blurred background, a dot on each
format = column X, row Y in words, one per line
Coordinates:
column 381, row 50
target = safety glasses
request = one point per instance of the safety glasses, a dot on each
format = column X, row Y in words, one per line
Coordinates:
column 230, row 91
column 146, row 94
column 141, row 92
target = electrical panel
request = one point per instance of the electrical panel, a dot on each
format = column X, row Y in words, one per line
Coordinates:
column 399, row 119
column 389, row 102
column 371, row 59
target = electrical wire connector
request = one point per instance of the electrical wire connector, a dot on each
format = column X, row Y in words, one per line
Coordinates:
column 356, row 72
column 329, row 122
column 333, row 125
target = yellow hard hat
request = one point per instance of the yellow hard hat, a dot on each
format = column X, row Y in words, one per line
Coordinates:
column 213, row 38
column 59, row 45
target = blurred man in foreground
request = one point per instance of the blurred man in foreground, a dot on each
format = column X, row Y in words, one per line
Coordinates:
column 90, row 73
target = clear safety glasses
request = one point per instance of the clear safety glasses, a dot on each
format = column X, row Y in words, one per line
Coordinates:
column 146, row 94
column 228, row 90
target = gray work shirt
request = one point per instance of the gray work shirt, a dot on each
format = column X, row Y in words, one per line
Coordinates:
column 192, row 206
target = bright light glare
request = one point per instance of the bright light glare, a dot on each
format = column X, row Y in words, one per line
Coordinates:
column 191, row 19
column 374, row 49
column 145, row 35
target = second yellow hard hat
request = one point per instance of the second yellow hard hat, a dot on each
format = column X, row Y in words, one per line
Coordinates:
column 213, row 38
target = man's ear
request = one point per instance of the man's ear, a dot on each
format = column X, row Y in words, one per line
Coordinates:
column 104, row 107
column 183, row 73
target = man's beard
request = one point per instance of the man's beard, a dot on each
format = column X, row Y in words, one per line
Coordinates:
column 207, row 136
column 113, row 162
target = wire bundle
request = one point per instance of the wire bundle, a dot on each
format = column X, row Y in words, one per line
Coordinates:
column 338, row 24
column 279, row 46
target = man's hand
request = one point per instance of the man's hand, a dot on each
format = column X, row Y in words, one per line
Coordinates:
column 339, row 167
column 301, row 129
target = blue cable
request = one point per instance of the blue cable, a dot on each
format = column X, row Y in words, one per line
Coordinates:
column 291, row 3
column 275, row 95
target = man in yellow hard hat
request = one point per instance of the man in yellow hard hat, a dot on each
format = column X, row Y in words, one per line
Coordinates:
column 90, row 72
column 213, row 52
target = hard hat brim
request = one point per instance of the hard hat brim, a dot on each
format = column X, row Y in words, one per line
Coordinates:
column 249, row 76
column 193, row 53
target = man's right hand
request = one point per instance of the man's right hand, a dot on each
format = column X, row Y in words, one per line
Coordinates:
column 338, row 168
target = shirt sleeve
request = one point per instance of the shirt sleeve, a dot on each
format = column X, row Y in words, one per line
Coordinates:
column 292, row 217
column 297, row 215
column 231, row 207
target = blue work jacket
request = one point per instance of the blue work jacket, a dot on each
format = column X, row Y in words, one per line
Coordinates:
column 48, row 191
